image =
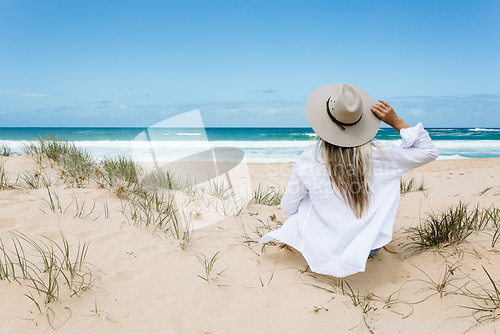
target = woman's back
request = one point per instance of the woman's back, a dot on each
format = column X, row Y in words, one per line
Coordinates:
column 324, row 228
column 338, row 219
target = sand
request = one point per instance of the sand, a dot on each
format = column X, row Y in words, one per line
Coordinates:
column 142, row 280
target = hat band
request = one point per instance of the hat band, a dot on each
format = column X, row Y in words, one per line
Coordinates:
column 336, row 121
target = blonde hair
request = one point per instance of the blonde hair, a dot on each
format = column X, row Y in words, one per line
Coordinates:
column 350, row 169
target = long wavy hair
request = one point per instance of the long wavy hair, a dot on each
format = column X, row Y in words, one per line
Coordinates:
column 350, row 169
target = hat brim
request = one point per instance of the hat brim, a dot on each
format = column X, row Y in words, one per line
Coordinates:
column 353, row 135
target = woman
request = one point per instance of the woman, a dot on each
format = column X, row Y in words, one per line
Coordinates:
column 343, row 193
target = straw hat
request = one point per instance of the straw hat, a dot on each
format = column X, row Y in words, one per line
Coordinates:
column 340, row 114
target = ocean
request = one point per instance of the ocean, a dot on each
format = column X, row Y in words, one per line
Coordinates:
column 257, row 144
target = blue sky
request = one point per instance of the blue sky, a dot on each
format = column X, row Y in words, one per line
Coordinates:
column 245, row 63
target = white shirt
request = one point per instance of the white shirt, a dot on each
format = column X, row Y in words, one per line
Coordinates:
column 324, row 229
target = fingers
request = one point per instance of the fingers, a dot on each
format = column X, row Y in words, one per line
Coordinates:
column 382, row 107
column 379, row 107
column 376, row 112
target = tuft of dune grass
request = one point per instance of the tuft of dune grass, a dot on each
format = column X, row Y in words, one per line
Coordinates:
column 45, row 266
column 119, row 174
column 5, row 150
column 4, row 184
column 450, row 226
column 77, row 164
column 407, row 186
column 269, row 197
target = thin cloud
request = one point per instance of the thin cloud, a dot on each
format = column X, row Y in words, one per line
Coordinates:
column 23, row 94
column 265, row 91
column 60, row 109
column 34, row 95
column 103, row 101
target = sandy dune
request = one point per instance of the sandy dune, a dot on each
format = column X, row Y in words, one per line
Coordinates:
column 142, row 280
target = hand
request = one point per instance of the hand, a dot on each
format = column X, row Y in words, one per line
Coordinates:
column 385, row 112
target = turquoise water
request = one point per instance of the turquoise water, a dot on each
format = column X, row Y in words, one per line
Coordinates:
column 258, row 144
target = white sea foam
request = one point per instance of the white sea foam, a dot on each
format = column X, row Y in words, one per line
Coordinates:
column 189, row 134
column 467, row 144
column 454, row 144
column 255, row 151
column 185, row 144
column 482, row 129
column 441, row 144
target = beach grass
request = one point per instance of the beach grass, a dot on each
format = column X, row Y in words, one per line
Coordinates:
column 54, row 148
column 148, row 202
column 120, row 171
column 4, row 179
column 45, row 266
column 160, row 179
column 357, row 299
column 33, row 180
column 105, row 207
column 5, row 150
column 77, row 163
column 219, row 190
column 268, row 197
column 450, row 226
column 487, row 299
column 407, row 186
column 53, row 199
column 443, row 281
column 81, row 211
column 152, row 209
column 79, row 167
column 208, row 266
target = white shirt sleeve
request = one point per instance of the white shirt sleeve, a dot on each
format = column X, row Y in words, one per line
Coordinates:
column 294, row 193
column 416, row 148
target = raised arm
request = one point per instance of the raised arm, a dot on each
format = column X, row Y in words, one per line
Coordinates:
column 416, row 148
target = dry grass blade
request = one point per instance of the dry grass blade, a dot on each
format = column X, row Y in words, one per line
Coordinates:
column 488, row 312
column 482, row 192
column 444, row 280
